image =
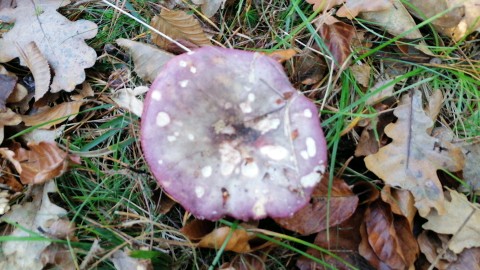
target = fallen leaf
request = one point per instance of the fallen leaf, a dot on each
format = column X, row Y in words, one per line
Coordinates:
column 389, row 239
column 338, row 37
column 4, row 201
column 33, row 217
column 369, row 143
column 147, row 59
column 44, row 135
column 59, row 40
column 324, row 4
column 471, row 171
column 59, row 255
column 313, row 217
column 44, row 161
column 401, row 202
column 209, row 7
column 9, row 181
column 8, row 118
column 127, row 99
column 432, row 245
column 353, row 7
column 7, row 84
column 211, row 237
column 238, row 241
column 246, row 261
column 461, row 220
column 38, row 65
column 413, row 157
column 177, row 24
column 361, row 74
column 49, row 117
column 395, row 19
column 309, row 68
column 282, row 55
column 122, row 261
column 468, row 259
column 380, row 95
column 461, row 20
column 343, row 241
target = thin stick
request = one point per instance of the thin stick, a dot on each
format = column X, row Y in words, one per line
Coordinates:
column 146, row 25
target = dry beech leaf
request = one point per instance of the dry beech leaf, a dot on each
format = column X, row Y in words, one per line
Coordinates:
column 38, row 65
column 8, row 179
column 313, row 217
column 461, row 220
column 60, row 41
column 387, row 240
column 401, row 202
column 461, row 20
column 10, row 156
column 53, row 115
column 343, row 241
column 44, row 161
column 413, row 157
column 147, row 59
column 210, row 237
column 127, row 99
column 36, row 216
column 338, row 38
column 238, row 241
column 178, row 24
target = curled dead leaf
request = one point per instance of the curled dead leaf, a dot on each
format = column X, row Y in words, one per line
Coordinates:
column 208, row 236
column 338, row 37
column 42, row 162
column 38, row 65
column 313, row 217
column 387, row 240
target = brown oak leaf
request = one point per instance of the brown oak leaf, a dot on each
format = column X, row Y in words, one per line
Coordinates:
column 413, row 157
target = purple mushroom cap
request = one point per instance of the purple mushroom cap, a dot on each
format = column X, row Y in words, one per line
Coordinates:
column 225, row 133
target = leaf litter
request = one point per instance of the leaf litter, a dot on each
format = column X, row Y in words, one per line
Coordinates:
column 368, row 227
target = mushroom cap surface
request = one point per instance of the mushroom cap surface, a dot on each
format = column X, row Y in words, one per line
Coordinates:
column 225, row 133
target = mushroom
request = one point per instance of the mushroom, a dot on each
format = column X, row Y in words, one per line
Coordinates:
column 225, row 133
